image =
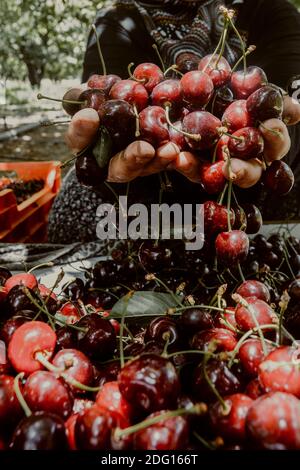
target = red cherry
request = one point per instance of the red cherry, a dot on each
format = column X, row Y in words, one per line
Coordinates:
column 70, row 430
column 222, row 148
column 92, row 98
column 103, row 82
column 273, row 422
column 259, row 309
column 27, row 340
column 243, row 84
column 251, row 354
column 46, row 292
column 167, row 434
column 24, row 279
column 228, row 317
column 45, row 392
column 223, row 339
column 71, row 311
column 230, row 423
column 215, row 217
column 212, row 177
column 232, row 247
column 110, row 397
column 253, row 389
column 219, row 70
column 251, row 145
column 204, row 124
column 253, row 288
column 132, row 92
column 236, row 116
column 75, row 365
column 265, row 103
column 197, row 88
column 151, row 75
column 280, row 371
column 167, row 93
column 153, row 126
column 176, row 136
column 279, row 178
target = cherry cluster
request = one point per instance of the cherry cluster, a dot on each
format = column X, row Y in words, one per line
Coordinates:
column 219, row 369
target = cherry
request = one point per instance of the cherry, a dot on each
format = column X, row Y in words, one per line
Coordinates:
column 244, row 84
column 10, row 409
column 27, row 340
column 232, row 247
column 265, row 103
column 167, row 434
column 294, row 290
column 212, row 177
column 162, row 329
column 273, row 422
column 149, row 74
column 240, row 222
column 222, row 378
column 107, row 373
column 258, row 312
column 153, row 126
column 103, row 82
column 278, row 178
column 254, row 288
column 215, row 217
column 197, row 88
column 205, row 125
column 236, row 116
column 24, row 279
column 76, row 366
column 176, row 136
column 65, row 338
column 119, row 119
column 110, row 397
column 92, row 98
column 150, row 383
column 131, row 91
column 105, row 272
column 253, row 389
column 280, row 371
column 71, row 312
column 251, row 354
column 70, row 101
column 94, row 429
column 222, row 98
column 154, row 257
column 88, row 171
column 254, row 219
column 230, row 423
column 167, row 93
column 195, row 319
column 186, row 62
column 217, row 68
column 97, row 338
column 45, row 392
column 75, row 289
column 10, row 326
column 246, row 143
column 40, row 431
column 223, row 340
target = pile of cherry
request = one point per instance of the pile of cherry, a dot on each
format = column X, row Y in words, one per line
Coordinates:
column 219, row 370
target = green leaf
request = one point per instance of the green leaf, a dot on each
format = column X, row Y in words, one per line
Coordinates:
column 144, row 304
column 102, row 151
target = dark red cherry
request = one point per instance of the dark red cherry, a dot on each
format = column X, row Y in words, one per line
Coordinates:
column 66, row 338
column 215, row 217
column 232, row 247
column 96, row 337
column 212, row 177
column 254, row 219
column 244, row 84
column 119, row 119
column 249, row 145
column 265, row 103
column 150, row 383
column 294, row 290
column 221, row 99
column 40, row 431
column 278, row 178
column 203, row 124
column 230, row 423
column 154, row 257
column 258, row 312
column 45, row 392
column 149, row 75
column 254, row 288
column 240, row 222
column 236, row 116
column 110, row 397
column 92, row 98
column 75, row 365
column 10, row 408
column 88, row 171
column 197, row 88
column 221, row 338
column 153, row 126
column 105, row 272
column 186, row 62
column 12, row 324
column 71, row 95
column 75, row 289
column 131, row 91
column 103, row 82
column 24, row 279
column 251, row 354
column 162, row 329
column 167, row 93
column 196, row 319
column 106, row 373
column 273, row 422
column 216, row 67
column 167, row 434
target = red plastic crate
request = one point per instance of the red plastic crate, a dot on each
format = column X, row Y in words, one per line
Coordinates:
column 27, row 222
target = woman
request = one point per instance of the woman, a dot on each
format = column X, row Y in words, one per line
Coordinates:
column 127, row 31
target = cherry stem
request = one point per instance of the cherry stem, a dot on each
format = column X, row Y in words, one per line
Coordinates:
column 39, row 356
column 241, row 271
column 220, row 201
column 217, row 47
column 42, row 265
column 19, row 394
column 166, row 338
column 187, row 134
column 132, row 77
column 54, row 123
column 229, row 205
column 99, row 50
column 248, row 51
column 199, row 409
column 174, row 68
column 43, row 97
column 137, row 121
column 241, row 41
column 160, row 57
column 209, row 445
column 225, row 30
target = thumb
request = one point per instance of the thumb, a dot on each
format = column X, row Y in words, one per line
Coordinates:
column 82, row 129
